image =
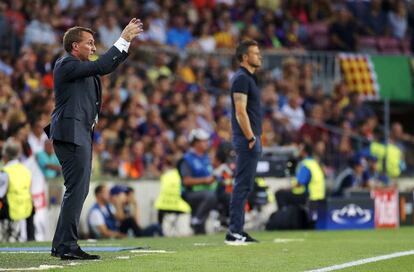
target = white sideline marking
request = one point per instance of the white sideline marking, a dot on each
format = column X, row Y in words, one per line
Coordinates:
column 73, row 264
column 24, row 252
column 364, row 261
column 202, row 244
column 235, row 243
column 123, row 257
column 41, row 267
column 284, row 241
column 98, row 245
column 150, row 251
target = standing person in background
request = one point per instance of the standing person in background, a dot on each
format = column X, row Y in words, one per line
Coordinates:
column 15, row 195
column 247, row 130
column 48, row 161
column 77, row 106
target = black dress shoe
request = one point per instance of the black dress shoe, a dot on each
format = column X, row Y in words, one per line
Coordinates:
column 54, row 253
column 78, row 254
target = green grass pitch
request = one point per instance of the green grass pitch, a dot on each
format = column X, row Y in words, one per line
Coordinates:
column 292, row 251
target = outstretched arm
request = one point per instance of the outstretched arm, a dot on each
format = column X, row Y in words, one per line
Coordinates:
column 72, row 68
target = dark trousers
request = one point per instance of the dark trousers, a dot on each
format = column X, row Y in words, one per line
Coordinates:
column 246, row 164
column 201, row 203
column 76, row 169
column 130, row 224
column 285, row 198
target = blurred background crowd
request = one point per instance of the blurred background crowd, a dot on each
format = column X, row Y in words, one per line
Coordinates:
column 153, row 101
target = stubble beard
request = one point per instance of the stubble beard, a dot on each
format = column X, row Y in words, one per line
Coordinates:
column 255, row 65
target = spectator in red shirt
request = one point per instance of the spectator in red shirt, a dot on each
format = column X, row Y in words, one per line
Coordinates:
column 313, row 130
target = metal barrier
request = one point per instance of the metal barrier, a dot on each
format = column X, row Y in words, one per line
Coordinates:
column 326, row 70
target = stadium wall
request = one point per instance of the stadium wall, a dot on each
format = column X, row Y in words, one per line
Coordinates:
column 146, row 192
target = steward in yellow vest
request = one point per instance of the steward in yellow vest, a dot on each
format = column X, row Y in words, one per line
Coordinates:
column 15, row 182
column 309, row 183
column 392, row 155
column 169, row 198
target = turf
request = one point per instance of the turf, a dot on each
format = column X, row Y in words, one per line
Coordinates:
column 309, row 250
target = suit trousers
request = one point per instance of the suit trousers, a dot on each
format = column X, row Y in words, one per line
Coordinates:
column 246, row 164
column 76, row 161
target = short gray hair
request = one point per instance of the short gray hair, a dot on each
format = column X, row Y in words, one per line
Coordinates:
column 11, row 149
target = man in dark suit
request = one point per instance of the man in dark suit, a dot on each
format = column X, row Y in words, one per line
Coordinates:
column 77, row 106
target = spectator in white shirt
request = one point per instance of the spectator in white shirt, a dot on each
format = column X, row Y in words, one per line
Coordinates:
column 398, row 20
column 110, row 32
column 101, row 218
column 294, row 112
column 37, row 136
column 39, row 31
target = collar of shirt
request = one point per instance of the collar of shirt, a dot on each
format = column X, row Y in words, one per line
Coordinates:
column 244, row 70
column 12, row 162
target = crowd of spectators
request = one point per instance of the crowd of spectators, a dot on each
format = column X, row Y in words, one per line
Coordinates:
column 214, row 25
column 154, row 100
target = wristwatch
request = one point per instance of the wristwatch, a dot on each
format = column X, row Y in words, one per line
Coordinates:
column 252, row 139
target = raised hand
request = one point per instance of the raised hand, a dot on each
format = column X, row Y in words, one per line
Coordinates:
column 132, row 30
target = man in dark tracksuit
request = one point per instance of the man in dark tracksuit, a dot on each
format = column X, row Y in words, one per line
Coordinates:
column 247, row 129
column 77, row 106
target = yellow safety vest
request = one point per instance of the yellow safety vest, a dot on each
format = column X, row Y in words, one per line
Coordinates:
column 19, row 197
column 169, row 198
column 394, row 156
column 262, row 183
column 316, row 186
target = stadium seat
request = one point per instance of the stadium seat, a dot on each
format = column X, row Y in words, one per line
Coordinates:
column 367, row 44
column 388, row 45
column 406, row 46
column 317, row 28
column 318, row 35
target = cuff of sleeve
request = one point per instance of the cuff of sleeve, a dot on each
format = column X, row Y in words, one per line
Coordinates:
column 122, row 45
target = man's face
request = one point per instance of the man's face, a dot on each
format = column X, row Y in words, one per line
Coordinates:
column 201, row 146
column 254, row 58
column 359, row 169
column 85, row 47
column 105, row 194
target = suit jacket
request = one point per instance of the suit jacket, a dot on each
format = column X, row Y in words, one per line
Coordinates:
column 78, row 96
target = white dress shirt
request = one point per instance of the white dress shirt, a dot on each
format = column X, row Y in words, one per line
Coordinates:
column 122, row 45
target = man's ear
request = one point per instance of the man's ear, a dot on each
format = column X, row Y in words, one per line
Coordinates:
column 75, row 45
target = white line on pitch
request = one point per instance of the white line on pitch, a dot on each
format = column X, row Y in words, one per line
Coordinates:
column 364, row 261
column 24, row 252
column 150, row 251
column 41, row 267
column 283, row 241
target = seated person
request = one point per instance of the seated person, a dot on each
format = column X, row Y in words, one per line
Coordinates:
column 101, row 218
column 127, row 213
column 48, row 161
column 199, row 184
column 131, row 210
column 351, row 178
column 371, row 176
